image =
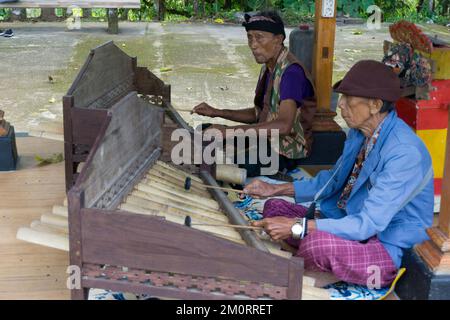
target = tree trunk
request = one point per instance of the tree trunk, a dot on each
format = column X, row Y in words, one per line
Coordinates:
column 195, row 5
column 227, row 5
column 160, row 9
column 430, row 5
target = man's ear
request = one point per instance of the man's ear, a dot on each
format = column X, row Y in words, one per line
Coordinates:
column 375, row 105
column 280, row 39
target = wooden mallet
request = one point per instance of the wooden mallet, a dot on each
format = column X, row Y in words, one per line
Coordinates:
column 188, row 182
column 188, row 223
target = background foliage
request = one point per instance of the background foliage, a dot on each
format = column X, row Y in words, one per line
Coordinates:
column 293, row 11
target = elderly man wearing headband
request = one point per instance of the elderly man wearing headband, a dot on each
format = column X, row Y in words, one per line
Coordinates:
column 376, row 201
column 284, row 100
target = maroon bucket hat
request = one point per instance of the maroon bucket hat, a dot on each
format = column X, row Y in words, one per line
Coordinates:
column 370, row 79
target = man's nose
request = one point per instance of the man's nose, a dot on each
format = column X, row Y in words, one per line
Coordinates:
column 252, row 44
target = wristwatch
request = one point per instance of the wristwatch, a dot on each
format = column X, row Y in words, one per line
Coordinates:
column 298, row 229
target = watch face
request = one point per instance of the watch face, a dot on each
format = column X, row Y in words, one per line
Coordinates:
column 297, row 229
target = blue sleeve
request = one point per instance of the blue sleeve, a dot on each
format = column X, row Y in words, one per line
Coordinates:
column 398, row 180
column 306, row 189
column 294, row 85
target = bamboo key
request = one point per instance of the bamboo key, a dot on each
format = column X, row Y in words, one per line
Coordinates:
column 188, row 223
column 187, row 186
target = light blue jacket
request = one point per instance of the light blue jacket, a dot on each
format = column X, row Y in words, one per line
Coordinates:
column 392, row 172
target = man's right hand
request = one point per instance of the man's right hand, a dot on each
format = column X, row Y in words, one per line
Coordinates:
column 205, row 109
column 259, row 189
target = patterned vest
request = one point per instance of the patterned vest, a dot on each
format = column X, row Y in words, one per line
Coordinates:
column 297, row 144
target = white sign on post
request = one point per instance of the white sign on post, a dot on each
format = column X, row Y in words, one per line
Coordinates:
column 328, row 8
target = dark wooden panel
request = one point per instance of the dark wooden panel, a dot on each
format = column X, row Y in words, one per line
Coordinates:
column 144, row 242
column 133, row 133
column 149, row 84
column 106, row 77
column 295, row 286
column 86, row 125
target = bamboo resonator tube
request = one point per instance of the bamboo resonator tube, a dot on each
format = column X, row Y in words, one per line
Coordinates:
column 187, row 186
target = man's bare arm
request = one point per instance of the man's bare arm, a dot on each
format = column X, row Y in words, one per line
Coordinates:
column 241, row 115
column 283, row 123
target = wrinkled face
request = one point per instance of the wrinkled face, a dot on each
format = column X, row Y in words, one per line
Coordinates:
column 264, row 45
column 354, row 110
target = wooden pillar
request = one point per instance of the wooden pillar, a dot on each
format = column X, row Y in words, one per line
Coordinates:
column 76, row 202
column 436, row 252
column 325, row 29
column 48, row 14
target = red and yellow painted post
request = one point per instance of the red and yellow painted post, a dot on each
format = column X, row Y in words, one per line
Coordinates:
column 429, row 119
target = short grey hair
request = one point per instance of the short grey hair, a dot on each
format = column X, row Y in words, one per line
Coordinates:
column 388, row 106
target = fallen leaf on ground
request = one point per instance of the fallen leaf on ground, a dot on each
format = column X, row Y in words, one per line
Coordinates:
column 165, row 69
column 55, row 158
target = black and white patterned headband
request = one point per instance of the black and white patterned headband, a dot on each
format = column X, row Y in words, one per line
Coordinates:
column 262, row 23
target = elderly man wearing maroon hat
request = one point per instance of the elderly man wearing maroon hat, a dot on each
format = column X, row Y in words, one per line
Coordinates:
column 376, row 201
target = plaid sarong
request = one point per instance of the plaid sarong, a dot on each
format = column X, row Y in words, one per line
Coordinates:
column 350, row 261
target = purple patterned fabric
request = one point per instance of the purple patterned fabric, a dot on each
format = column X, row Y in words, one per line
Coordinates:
column 294, row 85
column 350, row 261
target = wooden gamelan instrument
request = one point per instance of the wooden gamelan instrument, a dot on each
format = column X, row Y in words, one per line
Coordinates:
column 124, row 224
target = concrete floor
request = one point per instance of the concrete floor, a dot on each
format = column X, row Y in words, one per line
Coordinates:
column 207, row 62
